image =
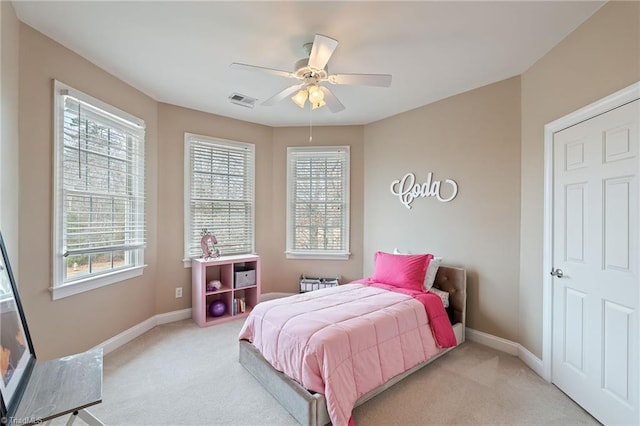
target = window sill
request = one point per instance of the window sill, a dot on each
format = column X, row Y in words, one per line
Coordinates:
column 317, row 256
column 92, row 283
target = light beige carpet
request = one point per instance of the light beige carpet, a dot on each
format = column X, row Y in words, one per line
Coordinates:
column 180, row 374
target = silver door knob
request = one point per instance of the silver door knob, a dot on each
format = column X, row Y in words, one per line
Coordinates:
column 557, row 272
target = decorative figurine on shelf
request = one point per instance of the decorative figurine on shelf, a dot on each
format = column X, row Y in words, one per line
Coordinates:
column 214, row 285
column 208, row 244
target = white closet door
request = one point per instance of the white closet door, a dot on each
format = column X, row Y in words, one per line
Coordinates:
column 595, row 245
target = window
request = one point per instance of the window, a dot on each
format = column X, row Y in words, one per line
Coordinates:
column 318, row 202
column 219, row 182
column 98, row 193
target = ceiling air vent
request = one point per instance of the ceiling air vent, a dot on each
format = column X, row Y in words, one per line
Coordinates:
column 243, row 100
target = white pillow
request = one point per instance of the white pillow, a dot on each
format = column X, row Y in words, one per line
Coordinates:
column 444, row 296
column 430, row 276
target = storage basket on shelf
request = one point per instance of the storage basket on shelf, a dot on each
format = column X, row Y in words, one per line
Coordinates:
column 310, row 283
column 244, row 277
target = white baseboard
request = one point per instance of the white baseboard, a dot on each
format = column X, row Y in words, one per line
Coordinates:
column 532, row 361
column 274, row 295
column 137, row 330
column 507, row 346
column 174, row 316
column 495, row 342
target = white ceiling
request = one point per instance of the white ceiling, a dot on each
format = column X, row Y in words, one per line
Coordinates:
column 179, row 52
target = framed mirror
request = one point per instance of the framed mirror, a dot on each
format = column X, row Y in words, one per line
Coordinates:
column 17, row 356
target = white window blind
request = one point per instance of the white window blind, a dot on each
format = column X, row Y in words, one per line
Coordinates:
column 99, row 192
column 318, row 202
column 219, row 194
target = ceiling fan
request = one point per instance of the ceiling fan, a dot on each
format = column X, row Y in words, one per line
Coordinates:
column 313, row 71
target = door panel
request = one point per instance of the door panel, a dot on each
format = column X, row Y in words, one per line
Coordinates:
column 595, row 243
column 574, row 329
column 617, row 223
column 617, row 348
column 574, row 222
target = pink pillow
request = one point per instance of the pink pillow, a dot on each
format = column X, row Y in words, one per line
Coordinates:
column 404, row 270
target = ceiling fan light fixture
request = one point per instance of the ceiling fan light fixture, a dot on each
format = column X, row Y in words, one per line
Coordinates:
column 315, row 94
column 300, row 98
column 318, row 104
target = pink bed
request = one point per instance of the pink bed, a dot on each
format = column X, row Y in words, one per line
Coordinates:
column 346, row 342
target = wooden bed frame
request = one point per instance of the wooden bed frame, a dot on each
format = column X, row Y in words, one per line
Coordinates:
column 310, row 408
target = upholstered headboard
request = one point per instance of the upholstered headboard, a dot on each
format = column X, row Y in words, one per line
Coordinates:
column 454, row 281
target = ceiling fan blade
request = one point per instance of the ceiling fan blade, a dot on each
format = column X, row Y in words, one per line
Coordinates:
column 254, row 68
column 379, row 80
column 332, row 102
column 321, row 51
column 283, row 94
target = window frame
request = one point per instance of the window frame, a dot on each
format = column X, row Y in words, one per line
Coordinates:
column 344, row 253
column 59, row 289
column 189, row 139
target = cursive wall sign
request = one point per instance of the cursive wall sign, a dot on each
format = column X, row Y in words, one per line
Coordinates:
column 407, row 190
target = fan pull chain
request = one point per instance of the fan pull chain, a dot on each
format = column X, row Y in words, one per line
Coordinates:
column 310, row 123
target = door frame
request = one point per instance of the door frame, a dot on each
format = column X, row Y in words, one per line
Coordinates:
column 615, row 100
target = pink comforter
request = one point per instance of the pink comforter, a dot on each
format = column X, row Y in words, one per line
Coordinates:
column 346, row 341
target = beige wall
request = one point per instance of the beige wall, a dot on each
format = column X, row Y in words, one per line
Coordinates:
column 286, row 272
column 474, row 139
column 173, row 122
column 9, row 54
column 74, row 323
column 597, row 59
column 278, row 273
